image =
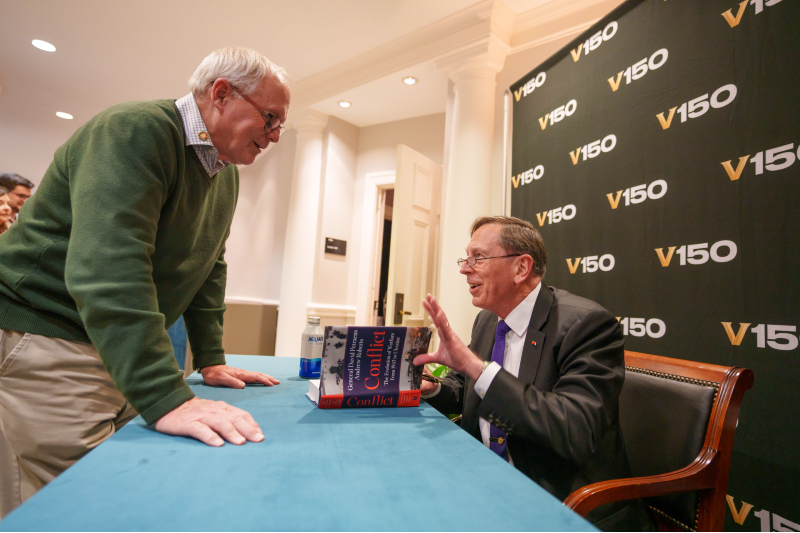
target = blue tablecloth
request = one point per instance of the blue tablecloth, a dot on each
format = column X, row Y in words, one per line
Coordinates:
column 343, row 469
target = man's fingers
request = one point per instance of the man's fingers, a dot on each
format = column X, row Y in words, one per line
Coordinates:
column 231, row 412
column 245, row 424
column 428, row 387
column 204, row 434
column 258, row 377
column 228, row 380
column 224, row 427
column 424, row 359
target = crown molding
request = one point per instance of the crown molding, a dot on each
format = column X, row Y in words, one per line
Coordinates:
column 467, row 33
column 487, row 55
column 308, row 121
column 551, row 12
column 428, row 43
column 557, row 20
column 525, row 44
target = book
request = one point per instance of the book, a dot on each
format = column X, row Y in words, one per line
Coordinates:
column 366, row 366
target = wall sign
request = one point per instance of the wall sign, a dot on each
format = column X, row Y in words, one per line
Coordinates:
column 335, row 246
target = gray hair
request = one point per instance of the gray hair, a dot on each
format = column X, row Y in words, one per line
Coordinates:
column 518, row 236
column 243, row 67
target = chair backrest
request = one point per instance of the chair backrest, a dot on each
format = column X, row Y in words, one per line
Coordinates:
column 672, row 413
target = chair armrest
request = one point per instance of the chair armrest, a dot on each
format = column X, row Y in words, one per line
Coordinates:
column 700, row 474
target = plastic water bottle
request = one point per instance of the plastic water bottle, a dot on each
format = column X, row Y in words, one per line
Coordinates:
column 311, row 350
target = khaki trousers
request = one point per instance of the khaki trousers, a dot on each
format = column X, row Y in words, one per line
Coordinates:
column 57, row 402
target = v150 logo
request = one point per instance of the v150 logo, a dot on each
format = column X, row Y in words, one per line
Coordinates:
column 592, row 263
column 595, row 40
column 735, row 20
column 638, row 327
column 558, row 114
column 775, row 159
column 779, row 523
column 639, row 69
column 638, row 194
column 554, row 216
column 530, row 86
column 777, row 337
column 698, row 254
column 594, row 149
column 526, row 177
column 700, row 105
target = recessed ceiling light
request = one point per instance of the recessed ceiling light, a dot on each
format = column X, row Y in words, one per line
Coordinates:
column 344, row 104
column 61, row 114
column 43, row 45
column 408, row 80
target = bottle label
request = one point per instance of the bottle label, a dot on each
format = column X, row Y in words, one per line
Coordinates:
column 309, row 368
column 311, row 356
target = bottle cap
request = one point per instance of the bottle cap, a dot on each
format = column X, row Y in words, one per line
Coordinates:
column 313, row 320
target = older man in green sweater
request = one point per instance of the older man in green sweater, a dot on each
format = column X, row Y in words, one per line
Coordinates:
column 127, row 233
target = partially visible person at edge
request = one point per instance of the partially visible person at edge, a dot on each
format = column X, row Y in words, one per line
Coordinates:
column 127, row 233
column 19, row 191
column 5, row 210
column 540, row 380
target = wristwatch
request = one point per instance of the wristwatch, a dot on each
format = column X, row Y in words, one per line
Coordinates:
column 485, row 366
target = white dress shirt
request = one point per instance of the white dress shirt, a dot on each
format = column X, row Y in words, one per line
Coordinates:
column 518, row 321
column 197, row 135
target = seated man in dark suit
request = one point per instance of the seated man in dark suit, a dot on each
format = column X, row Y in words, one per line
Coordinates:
column 540, row 380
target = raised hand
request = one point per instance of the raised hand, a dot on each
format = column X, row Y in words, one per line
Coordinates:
column 452, row 351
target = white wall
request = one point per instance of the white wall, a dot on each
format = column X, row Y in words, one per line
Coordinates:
column 254, row 250
column 340, row 149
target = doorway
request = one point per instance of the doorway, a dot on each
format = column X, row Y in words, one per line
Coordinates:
column 379, row 305
column 400, row 242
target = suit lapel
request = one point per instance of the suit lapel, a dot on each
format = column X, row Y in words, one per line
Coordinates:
column 482, row 340
column 534, row 339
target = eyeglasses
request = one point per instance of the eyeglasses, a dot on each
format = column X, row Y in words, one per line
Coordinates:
column 271, row 122
column 20, row 195
column 472, row 261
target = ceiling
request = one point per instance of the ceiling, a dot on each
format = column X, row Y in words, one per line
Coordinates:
column 110, row 51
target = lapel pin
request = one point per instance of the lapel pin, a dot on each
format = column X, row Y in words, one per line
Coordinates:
column 203, row 135
column 533, row 342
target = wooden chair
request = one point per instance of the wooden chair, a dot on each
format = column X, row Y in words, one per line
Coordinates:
column 678, row 420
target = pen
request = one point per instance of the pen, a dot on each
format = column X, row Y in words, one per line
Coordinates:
column 434, row 379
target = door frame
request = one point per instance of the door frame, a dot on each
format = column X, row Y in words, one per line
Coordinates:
column 373, row 183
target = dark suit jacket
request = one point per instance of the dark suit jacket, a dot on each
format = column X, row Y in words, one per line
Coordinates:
column 562, row 412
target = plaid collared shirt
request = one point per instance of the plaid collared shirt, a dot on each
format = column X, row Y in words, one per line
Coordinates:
column 197, row 135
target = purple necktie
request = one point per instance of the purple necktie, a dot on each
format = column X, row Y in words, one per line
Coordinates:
column 497, row 437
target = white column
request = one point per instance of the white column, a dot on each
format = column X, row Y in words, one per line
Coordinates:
column 297, row 275
column 468, row 188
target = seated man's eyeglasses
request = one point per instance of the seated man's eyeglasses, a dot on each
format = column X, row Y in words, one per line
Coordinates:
column 271, row 122
column 472, row 261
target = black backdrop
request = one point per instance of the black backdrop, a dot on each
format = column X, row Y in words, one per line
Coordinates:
column 672, row 191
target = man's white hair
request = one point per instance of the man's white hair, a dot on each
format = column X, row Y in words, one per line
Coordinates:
column 243, row 67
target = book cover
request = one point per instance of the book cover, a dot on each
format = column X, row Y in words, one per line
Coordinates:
column 370, row 367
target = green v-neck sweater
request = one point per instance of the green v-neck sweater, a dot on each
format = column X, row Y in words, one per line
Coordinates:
column 125, row 234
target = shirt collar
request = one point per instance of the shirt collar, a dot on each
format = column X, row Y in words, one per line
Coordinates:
column 197, row 135
column 519, row 319
column 193, row 124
